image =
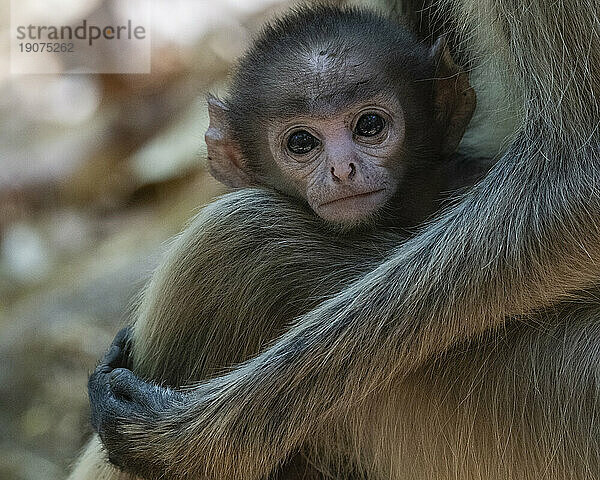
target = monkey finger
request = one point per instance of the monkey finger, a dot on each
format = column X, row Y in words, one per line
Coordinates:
column 123, row 336
column 120, row 348
column 98, row 382
column 117, row 354
column 126, row 384
column 124, row 340
column 109, row 360
column 121, row 378
column 101, row 399
column 145, row 398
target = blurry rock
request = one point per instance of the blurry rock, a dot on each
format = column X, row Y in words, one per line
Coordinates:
column 102, row 183
column 34, row 151
column 180, row 149
column 66, row 100
column 24, row 254
column 21, row 464
column 69, row 231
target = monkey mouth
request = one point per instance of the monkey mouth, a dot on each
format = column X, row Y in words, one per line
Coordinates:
column 354, row 208
column 354, row 196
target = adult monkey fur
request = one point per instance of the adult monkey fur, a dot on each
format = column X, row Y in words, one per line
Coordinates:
column 412, row 378
column 385, row 125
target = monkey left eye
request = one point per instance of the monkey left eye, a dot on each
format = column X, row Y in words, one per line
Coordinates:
column 369, row 125
column 301, row 142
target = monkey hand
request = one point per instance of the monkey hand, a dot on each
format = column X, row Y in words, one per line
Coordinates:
column 121, row 403
column 118, row 354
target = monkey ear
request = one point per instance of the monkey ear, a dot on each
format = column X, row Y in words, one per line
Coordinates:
column 454, row 100
column 225, row 159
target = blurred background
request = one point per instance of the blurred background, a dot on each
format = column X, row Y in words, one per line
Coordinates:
column 97, row 172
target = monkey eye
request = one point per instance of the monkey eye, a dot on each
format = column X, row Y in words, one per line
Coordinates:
column 301, row 142
column 369, row 125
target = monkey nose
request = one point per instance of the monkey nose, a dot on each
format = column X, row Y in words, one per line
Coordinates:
column 344, row 172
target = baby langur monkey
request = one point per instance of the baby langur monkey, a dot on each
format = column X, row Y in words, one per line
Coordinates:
column 346, row 111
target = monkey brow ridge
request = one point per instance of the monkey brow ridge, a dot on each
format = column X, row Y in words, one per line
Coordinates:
column 326, row 98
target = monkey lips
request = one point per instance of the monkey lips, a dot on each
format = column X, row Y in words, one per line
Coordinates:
column 352, row 207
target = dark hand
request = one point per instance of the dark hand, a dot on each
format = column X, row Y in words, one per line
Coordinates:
column 123, row 404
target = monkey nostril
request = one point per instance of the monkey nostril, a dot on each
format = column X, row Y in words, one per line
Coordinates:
column 352, row 170
column 335, row 177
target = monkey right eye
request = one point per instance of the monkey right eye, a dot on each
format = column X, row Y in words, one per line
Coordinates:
column 301, row 142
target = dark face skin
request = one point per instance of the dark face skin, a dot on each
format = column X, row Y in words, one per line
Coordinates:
column 343, row 164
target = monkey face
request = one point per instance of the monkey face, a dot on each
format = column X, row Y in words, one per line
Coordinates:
column 345, row 163
column 344, row 128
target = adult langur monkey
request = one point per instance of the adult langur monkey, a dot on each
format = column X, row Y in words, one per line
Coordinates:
column 471, row 352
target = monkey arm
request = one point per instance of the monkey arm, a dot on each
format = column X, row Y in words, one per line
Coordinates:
column 527, row 236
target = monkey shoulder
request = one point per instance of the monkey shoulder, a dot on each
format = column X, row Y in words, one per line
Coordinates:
column 243, row 211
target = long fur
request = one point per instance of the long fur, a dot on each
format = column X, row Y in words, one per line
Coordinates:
column 471, row 352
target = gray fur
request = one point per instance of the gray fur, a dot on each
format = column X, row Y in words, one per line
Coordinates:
column 469, row 353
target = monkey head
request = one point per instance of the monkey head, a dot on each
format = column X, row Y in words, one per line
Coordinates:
column 320, row 113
